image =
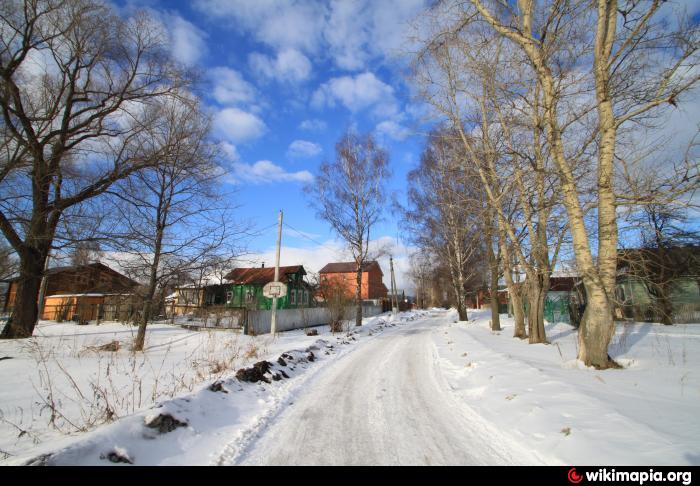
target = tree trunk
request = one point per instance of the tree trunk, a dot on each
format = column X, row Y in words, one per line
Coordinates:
column 26, row 310
column 141, row 334
column 513, row 288
column 664, row 304
column 458, row 290
column 495, row 318
column 536, row 298
column 147, row 309
column 462, row 303
column 358, row 296
column 518, row 313
column 462, row 311
column 152, row 285
column 594, row 333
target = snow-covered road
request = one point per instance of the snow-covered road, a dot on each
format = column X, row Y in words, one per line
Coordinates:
column 384, row 403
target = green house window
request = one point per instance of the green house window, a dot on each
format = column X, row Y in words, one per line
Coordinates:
column 293, row 297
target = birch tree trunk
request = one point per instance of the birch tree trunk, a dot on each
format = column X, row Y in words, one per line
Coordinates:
column 358, row 295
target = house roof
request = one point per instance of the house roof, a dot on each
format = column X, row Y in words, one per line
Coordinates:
column 77, row 268
column 683, row 260
column 562, row 284
column 350, row 267
column 261, row 276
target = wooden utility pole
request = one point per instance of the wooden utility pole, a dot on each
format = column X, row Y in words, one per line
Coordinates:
column 273, row 323
column 394, row 297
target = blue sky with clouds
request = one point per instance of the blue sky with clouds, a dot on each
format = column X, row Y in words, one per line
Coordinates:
column 283, row 79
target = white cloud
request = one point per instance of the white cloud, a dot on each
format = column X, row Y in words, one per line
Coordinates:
column 357, row 93
column 266, row 172
column 358, row 32
column 313, row 125
column 238, row 126
column 351, row 33
column 348, row 33
column 229, row 87
column 187, row 42
column 393, row 130
column 230, row 151
column 289, row 65
column 303, row 148
column 281, row 24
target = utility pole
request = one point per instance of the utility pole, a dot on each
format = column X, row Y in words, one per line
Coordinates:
column 273, row 323
column 394, row 297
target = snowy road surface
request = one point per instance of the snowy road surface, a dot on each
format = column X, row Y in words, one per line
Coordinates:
column 384, row 403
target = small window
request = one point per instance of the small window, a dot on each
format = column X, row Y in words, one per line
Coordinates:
column 249, row 296
column 229, row 297
column 306, row 297
column 293, row 297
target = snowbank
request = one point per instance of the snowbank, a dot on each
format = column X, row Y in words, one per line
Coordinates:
column 541, row 396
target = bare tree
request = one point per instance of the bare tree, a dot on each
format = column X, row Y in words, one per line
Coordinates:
column 420, row 272
column 445, row 212
column 172, row 215
column 497, row 120
column 669, row 250
column 335, row 297
column 8, row 262
column 350, row 193
column 75, row 84
column 85, row 252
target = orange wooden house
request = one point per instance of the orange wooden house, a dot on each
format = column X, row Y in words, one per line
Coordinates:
column 344, row 275
column 82, row 292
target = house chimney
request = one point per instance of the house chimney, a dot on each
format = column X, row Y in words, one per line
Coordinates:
column 263, row 265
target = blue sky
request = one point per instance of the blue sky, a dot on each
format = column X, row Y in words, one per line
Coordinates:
column 282, row 80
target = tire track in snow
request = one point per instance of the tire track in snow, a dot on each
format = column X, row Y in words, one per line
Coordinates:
column 385, row 403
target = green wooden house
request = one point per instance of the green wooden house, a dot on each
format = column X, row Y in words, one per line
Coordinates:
column 246, row 288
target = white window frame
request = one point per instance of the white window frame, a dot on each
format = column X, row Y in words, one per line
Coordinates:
column 249, row 296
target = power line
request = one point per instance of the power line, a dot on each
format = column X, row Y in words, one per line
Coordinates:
column 304, row 235
column 263, row 231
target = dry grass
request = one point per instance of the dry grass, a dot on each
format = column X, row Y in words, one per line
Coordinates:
column 119, row 383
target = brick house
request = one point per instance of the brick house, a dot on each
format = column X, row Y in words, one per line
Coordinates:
column 344, row 275
column 82, row 292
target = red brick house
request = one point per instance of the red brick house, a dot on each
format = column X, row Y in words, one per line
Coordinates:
column 344, row 275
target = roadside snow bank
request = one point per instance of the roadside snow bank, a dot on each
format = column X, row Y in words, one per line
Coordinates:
column 645, row 414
